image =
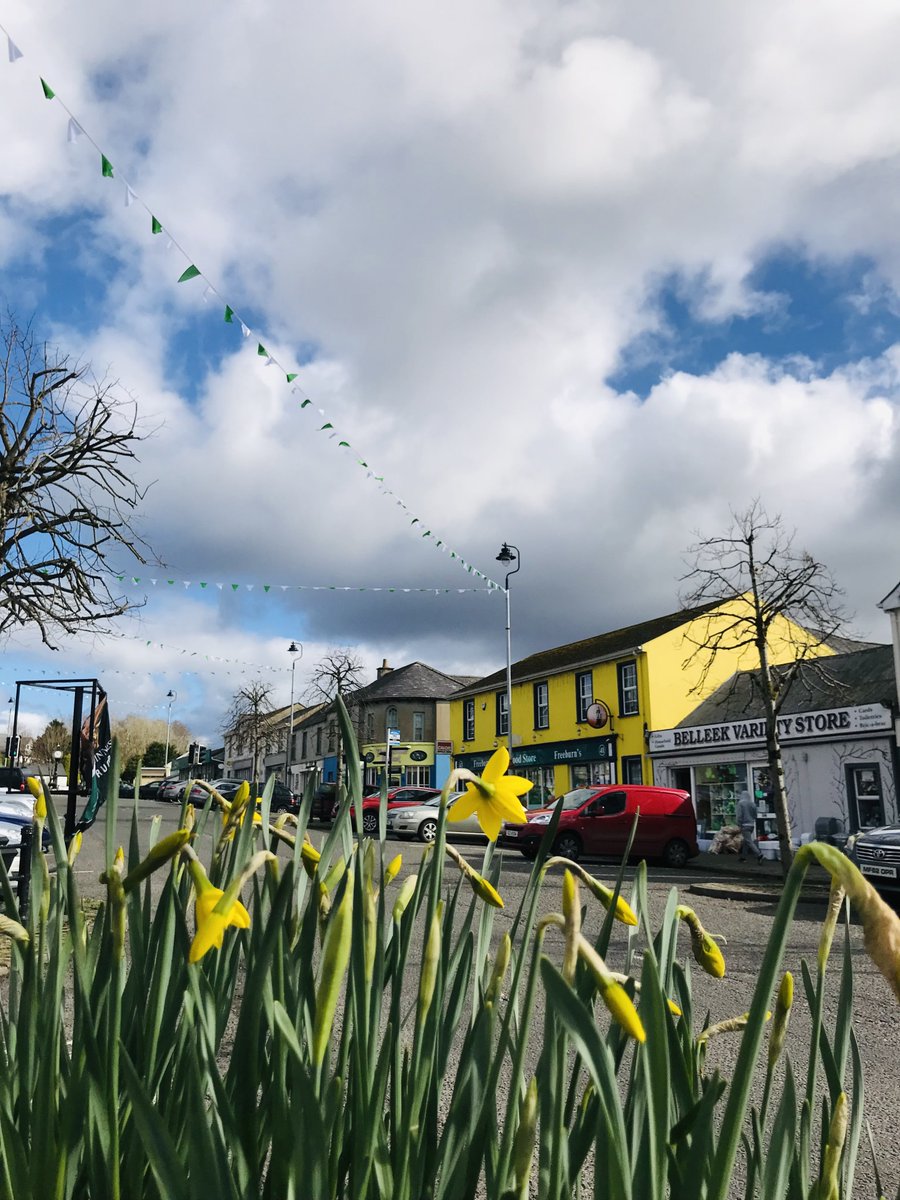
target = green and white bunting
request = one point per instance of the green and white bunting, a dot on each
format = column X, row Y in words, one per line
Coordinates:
column 292, row 377
column 266, row 588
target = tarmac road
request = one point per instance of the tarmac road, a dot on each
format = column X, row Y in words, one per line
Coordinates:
column 744, row 924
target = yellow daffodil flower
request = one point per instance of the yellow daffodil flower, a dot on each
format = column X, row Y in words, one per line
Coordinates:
column 211, row 925
column 494, row 798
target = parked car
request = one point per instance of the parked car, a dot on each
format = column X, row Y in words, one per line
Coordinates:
column 599, row 820
column 150, row 790
column 12, row 779
column 282, row 796
column 399, row 797
column 421, row 820
column 126, row 789
column 877, row 854
column 171, row 790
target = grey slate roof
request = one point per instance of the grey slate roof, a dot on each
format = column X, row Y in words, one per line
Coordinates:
column 589, row 650
column 839, row 681
column 415, row 681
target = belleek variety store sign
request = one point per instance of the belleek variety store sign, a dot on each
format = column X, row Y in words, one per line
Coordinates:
column 829, row 722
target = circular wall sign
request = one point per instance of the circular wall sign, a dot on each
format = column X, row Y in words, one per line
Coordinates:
column 370, row 757
column 597, row 715
column 417, row 755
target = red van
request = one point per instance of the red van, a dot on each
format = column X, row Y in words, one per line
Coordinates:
column 598, row 820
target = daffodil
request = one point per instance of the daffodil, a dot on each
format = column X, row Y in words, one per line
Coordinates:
column 704, row 946
column 494, row 798
column 216, row 910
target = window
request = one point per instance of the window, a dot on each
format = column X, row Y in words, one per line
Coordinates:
column 468, row 720
column 332, row 737
column 632, row 769
column 584, row 694
column 628, row 690
column 541, row 706
column 866, row 797
column 542, row 792
column 502, row 714
column 318, row 739
column 370, row 727
column 391, row 718
column 608, row 805
column 418, row 777
column 418, row 727
column 303, row 752
column 591, row 774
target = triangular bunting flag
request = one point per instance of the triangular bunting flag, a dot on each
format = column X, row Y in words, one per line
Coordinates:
column 291, row 376
column 261, row 350
column 106, row 167
column 306, row 402
column 14, row 52
column 190, row 272
column 229, row 315
column 129, row 196
column 155, row 226
column 235, row 586
column 74, row 131
column 244, row 330
column 48, row 90
column 327, row 425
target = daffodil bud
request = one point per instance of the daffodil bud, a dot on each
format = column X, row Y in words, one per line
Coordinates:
column 335, row 875
column 335, row 957
column 611, row 991
column 404, row 896
column 782, row 1018
column 36, row 787
column 732, row 1025
column 74, row 848
column 829, row 1181
column 431, row 959
column 501, row 963
column 310, row 857
column 704, row 947
column 623, row 911
column 12, row 929
column 523, row 1142
column 484, row 890
column 836, row 897
column 164, row 850
column 392, row 870
column 571, row 906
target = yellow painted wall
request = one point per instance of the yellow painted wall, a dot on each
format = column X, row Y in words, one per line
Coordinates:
column 667, row 692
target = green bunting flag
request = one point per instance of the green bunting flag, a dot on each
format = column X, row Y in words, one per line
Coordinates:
column 190, row 272
column 48, row 90
column 229, row 315
column 291, row 376
column 327, row 425
column 155, row 226
column 306, row 402
column 106, row 167
column 261, row 350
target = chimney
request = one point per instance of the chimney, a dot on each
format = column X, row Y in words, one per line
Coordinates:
column 384, row 669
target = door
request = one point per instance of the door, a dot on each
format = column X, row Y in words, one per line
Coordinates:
column 866, row 799
column 605, row 824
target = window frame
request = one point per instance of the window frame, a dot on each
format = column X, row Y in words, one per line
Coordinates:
column 502, row 710
column 583, row 701
column 628, row 691
column 628, row 762
column 541, row 709
column 468, row 730
column 418, row 726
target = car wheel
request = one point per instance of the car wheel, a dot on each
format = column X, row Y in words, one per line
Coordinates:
column 428, row 830
column 568, row 845
column 370, row 823
column 676, row 853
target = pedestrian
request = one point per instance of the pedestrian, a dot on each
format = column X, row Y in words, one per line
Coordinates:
column 746, row 818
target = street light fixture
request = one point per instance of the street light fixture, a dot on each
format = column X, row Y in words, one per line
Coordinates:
column 509, row 554
column 293, row 650
column 171, row 697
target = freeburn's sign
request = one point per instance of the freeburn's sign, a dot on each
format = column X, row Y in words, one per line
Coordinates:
column 831, row 722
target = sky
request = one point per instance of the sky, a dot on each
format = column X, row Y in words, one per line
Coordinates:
column 580, row 277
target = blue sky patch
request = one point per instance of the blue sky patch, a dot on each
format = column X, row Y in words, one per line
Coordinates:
column 811, row 313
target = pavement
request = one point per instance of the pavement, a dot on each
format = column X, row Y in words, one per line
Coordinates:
column 727, row 878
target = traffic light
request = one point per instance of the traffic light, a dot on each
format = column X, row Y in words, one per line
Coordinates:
column 194, row 753
column 12, row 747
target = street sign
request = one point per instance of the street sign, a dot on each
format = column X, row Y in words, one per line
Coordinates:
column 393, row 735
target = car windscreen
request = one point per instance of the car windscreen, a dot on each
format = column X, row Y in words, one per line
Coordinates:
column 577, row 798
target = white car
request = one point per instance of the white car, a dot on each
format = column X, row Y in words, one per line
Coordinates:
column 421, row 820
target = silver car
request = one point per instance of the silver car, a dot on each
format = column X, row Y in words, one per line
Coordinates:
column 421, row 821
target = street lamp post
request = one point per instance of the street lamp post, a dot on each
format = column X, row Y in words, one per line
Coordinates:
column 171, row 697
column 9, row 724
column 509, row 554
column 293, row 650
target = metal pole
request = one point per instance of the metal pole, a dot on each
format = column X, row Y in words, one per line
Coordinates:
column 292, row 650
column 509, row 730
column 24, row 887
column 74, row 765
column 171, row 697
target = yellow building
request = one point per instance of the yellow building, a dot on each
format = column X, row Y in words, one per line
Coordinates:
column 582, row 713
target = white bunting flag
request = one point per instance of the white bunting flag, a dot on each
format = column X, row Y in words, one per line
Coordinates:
column 14, row 52
column 74, row 131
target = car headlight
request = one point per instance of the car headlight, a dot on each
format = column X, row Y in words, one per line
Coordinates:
column 540, row 819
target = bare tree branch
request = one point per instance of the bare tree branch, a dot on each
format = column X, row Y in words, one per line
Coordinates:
column 67, row 494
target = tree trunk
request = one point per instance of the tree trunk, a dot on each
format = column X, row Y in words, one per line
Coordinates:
column 776, row 765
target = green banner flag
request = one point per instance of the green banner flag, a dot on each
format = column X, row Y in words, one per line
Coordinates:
column 291, row 376
column 155, row 226
column 190, row 272
column 106, row 167
column 261, row 350
column 48, row 90
column 229, row 315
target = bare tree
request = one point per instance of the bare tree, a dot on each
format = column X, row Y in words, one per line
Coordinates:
column 56, row 736
column 250, row 721
column 758, row 577
column 337, row 673
column 66, row 492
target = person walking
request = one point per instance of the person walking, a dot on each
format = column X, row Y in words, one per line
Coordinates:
column 746, row 818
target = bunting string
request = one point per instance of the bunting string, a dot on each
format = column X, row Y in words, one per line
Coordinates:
column 75, row 131
column 204, row 584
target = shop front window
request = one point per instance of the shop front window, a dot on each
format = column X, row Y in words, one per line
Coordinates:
column 593, row 774
column 418, row 776
column 717, row 788
column 542, row 792
column 632, row 769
